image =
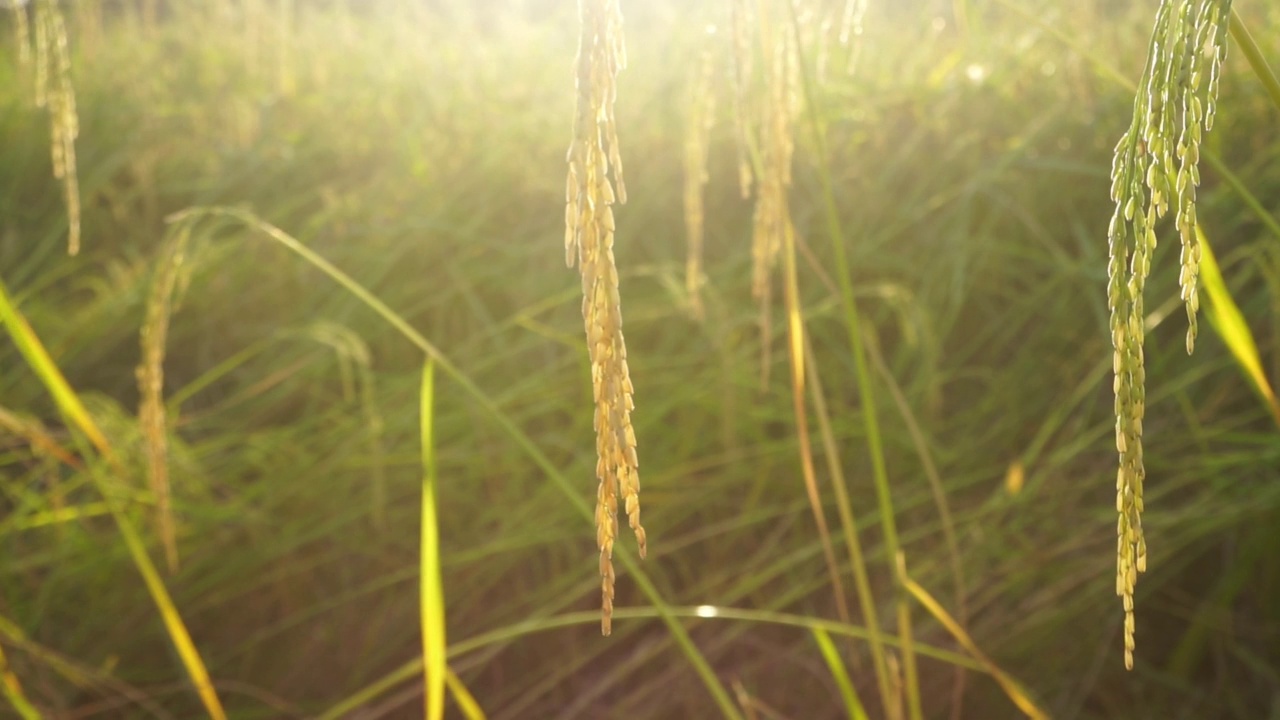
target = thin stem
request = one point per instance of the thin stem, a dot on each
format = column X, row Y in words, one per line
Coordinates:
column 1266, row 76
column 871, row 422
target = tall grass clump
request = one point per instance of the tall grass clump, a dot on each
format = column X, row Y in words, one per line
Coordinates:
column 589, row 234
column 1156, row 163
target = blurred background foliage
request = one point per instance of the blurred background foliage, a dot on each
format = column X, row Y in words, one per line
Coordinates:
column 419, row 146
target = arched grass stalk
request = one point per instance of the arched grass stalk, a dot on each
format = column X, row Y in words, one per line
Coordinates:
column 704, row 613
column 718, row 692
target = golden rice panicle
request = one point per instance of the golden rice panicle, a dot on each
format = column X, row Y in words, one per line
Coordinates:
column 53, row 66
column 701, row 119
column 150, row 374
column 1170, row 115
column 589, row 232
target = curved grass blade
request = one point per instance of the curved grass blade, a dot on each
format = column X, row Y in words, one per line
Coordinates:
column 70, row 406
column 1007, row 683
column 839, row 674
column 463, row 697
column 412, row 668
column 562, row 483
column 1228, row 321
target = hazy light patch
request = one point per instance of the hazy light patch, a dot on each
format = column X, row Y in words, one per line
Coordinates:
column 706, row 611
column 1048, row 69
column 976, row 73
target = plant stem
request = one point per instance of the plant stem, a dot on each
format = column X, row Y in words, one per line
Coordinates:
column 871, row 422
column 1266, row 76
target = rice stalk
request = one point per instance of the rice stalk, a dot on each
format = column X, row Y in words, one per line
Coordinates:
column 1257, row 61
column 1171, row 112
column 1011, row 687
column 875, row 445
column 739, row 12
column 22, row 36
column 53, row 66
column 701, row 119
column 773, row 235
column 589, row 235
column 169, row 279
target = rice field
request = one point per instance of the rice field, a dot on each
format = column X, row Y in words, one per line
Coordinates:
column 302, row 414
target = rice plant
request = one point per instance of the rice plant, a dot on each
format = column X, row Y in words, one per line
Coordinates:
column 361, row 390
column 589, row 232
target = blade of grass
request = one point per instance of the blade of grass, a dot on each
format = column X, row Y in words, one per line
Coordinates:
column 866, row 390
column 70, row 405
column 1007, row 683
column 839, row 674
column 463, row 697
column 13, row 691
column 1226, row 318
column 562, row 483
column 796, row 347
column 413, row 667
column 849, row 527
column 432, row 589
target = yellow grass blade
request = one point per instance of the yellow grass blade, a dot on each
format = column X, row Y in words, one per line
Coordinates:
column 1008, row 684
column 840, row 674
column 69, row 404
column 463, row 697
column 434, row 668
column 1228, row 321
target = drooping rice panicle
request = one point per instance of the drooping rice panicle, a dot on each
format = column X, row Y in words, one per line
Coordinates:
column 1170, row 115
column 589, row 234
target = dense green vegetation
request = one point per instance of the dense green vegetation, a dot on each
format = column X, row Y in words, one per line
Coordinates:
column 420, row 148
